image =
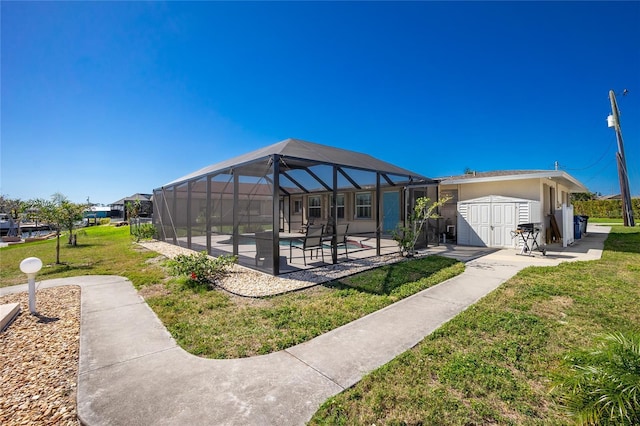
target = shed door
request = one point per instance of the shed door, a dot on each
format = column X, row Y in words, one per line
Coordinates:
column 491, row 224
column 480, row 221
column 503, row 222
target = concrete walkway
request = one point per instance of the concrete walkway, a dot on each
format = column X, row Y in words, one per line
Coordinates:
column 132, row 372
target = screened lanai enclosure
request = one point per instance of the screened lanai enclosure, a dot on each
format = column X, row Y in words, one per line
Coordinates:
column 290, row 206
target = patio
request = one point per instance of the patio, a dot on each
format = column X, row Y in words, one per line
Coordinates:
column 257, row 206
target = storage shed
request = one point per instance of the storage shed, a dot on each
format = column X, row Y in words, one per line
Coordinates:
column 489, row 221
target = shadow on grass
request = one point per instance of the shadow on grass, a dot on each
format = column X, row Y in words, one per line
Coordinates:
column 79, row 246
column 623, row 239
column 56, row 268
column 386, row 279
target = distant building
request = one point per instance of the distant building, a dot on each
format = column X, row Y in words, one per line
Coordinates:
column 610, row 197
column 119, row 210
column 97, row 212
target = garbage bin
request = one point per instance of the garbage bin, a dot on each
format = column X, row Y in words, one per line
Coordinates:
column 576, row 227
column 583, row 224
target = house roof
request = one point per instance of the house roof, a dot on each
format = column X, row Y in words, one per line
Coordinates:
column 134, row 197
column 611, row 197
column 296, row 153
column 506, row 175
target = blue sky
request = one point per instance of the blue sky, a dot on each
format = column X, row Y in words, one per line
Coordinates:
column 102, row 100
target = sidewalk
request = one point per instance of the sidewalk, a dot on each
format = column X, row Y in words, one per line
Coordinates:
column 132, row 372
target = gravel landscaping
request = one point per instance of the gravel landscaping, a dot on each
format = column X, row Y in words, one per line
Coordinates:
column 247, row 282
column 39, row 359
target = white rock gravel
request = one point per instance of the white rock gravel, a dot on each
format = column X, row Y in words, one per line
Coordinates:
column 248, row 282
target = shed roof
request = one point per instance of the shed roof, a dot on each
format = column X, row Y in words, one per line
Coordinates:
column 299, row 153
column 505, row 175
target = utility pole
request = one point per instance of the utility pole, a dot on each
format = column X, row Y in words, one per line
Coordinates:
column 625, row 193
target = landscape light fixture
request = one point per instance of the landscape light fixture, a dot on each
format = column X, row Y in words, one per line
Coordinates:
column 31, row 266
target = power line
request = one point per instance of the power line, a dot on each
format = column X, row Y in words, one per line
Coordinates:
column 606, row 152
column 599, row 172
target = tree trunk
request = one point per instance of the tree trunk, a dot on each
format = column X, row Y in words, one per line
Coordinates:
column 57, row 247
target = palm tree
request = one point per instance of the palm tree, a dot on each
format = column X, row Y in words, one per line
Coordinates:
column 604, row 387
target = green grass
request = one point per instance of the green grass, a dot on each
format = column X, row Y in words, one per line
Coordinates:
column 495, row 362
column 606, row 220
column 101, row 250
column 218, row 325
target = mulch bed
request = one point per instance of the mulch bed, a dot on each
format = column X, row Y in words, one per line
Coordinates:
column 39, row 359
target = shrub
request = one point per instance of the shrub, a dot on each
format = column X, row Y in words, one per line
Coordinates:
column 146, row 231
column 604, row 385
column 201, row 268
column 604, row 208
column 105, row 221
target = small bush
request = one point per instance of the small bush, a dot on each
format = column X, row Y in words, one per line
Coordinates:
column 604, row 385
column 200, row 268
column 146, row 231
column 105, row 221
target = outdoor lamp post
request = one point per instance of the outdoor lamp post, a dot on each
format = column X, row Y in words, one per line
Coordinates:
column 31, row 266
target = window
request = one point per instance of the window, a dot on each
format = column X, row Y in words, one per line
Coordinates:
column 363, row 205
column 297, row 206
column 315, row 207
column 340, row 202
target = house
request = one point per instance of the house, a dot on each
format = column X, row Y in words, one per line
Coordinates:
column 485, row 207
column 611, row 197
column 119, row 210
column 281, row 188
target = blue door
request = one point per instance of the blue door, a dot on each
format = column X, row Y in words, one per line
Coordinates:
column 390, row 211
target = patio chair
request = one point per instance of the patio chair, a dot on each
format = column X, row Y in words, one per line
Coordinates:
column 311, row 241
column 264, row 246
column 304, row 226
column 341, row 232
column 341, row 236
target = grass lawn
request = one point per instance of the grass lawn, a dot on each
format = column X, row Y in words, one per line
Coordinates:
column 495, row 362
column 215, row 324
column 619, row 221
column 101, row 250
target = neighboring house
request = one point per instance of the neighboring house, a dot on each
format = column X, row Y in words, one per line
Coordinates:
column 118, row 208
column 485, row 207
column 611, row 197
